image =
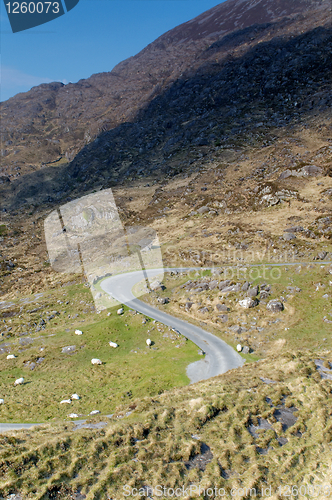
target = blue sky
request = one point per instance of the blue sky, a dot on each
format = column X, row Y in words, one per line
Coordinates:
column 91, row 38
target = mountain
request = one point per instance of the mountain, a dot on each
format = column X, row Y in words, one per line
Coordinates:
column 51, row 123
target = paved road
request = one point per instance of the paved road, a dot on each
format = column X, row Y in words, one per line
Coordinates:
column 220, row 357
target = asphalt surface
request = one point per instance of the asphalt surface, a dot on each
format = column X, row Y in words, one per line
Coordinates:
column 220, row 357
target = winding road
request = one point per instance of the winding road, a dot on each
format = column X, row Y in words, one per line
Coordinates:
column 220, row 357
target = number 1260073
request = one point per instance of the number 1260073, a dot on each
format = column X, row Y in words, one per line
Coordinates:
column 33, row 7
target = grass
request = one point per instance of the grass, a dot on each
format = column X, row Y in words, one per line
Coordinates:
column 132, row 370
column 152, row 444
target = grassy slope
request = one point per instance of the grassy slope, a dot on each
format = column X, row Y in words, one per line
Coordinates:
column 151, row 445
column 129, row 371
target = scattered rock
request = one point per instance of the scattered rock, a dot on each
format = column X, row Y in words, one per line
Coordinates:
column 289, row 236
column 253, row 291
column 248, row 302
column 203, row 310
column 222, row 308
column 69, row 349
column 275, row 306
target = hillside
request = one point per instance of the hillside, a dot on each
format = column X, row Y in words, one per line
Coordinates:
column 217, row 136
column 52, row 122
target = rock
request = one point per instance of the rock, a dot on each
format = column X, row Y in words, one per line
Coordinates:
column 188, row 306
column 32, row 366
column 236, row 329
column 98, row 295
column 245, row 286
column 309, row 170
column 69, row 349
column 239, row 348
column 75, row 396
column 113, row 344
column 270, row 199
column 264, row 295
column 78, row 332
column 248, row 302
column 96, row 361
column 245, row 349
column 11, row 356
column 203, row 310
column 222, row 308
column 203, row 210
column 213, row 284
column 224, row 284
column 322, row 255
column 289, row 236
column 94, row 412
column 253, row 291
column 275, row 306
column 223, row 318
column 163, row 300
column 120, row 311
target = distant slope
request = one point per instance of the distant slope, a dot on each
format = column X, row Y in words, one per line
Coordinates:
column 54, row 121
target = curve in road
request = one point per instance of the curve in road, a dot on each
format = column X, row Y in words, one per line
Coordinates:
column 220, row 357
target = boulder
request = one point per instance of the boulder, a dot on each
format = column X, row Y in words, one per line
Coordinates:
column 245, row 286
column 289, row 236
column 69, row 349
column 203, row 310
column 188, row 306
column 222, row 308
column 275, row 306
column 245, row 349
column 213, row 284
column 248, row 302
column 253, row 291
column 203, row 210
column 322, row 255
column 224, row 284
column 223, row 318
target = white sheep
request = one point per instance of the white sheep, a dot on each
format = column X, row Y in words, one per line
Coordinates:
column 19, row 381
column 120, row 311
column 2, row 401
column 96, row 361
column 94, row 412
column 78, row 332
column 113, row 344
column 239, row 348
column 73, row 415
column 148, row 342
column 11, row 356
column 67, row 401
column 75, row 396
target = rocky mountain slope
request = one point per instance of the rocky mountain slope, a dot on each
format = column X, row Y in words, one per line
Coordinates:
column 51, row 123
